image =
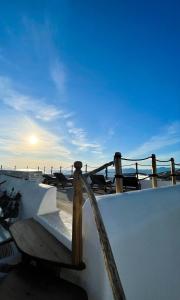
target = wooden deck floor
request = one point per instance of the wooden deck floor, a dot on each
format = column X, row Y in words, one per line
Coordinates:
column 35, row 241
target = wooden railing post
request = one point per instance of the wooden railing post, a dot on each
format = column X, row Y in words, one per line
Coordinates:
column 60, row 169
column 154, row 171
column 118, row 172
column 86, row 168
column 51, row 170
column 72, row 169
column 77, row 215
column 106, row 173
column 38, row 168
column 137, row 173
column 173, row 171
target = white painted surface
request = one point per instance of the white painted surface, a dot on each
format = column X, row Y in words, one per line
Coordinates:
column 27, row 174
column 37, row 198
column 58, row 224
column 144, row 232
column 147, row 184
column 39, row 201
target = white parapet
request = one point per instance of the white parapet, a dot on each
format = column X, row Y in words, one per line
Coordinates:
column 144, row 231
column 39, row 201
column 37, row 198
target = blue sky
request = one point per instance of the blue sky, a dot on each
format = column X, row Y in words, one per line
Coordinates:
column 88, row 78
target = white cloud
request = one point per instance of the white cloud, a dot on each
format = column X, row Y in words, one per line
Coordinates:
column 170, row 136
column 79, row 138
column 14, row 140
column 27, row 104
column 40, row 35
column 58, row 76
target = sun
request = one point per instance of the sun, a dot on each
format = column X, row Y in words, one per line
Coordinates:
column 33, row 140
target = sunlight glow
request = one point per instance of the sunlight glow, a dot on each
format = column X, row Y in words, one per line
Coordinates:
column 33, row 140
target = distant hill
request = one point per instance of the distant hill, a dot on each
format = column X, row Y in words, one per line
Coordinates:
column 143, row 171
column 162, row 171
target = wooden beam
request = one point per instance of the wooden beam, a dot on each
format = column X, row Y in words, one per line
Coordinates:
column 99, row 169
column 77, row 215
column 118, row 172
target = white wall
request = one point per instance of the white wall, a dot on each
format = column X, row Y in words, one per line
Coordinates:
column 37, row 198
column 147, row 184
column 144, row 231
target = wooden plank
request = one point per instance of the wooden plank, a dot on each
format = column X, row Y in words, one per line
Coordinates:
column 97, row 170
column 22, row 284
column 34, row 240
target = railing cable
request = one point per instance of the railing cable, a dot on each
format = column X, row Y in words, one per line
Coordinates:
column 136, row 159
column 163, row 161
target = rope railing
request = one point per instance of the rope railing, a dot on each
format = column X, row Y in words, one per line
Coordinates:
column 163, row 161
column 144, row 165
column 164, row 176
column 110, row 264
column 136, row 159
column 136, row 163
column 80, row 181
column 163, row 166
column 123, row 166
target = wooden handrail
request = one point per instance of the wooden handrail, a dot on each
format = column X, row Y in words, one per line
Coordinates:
column 99, row 169
column 110, row 264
